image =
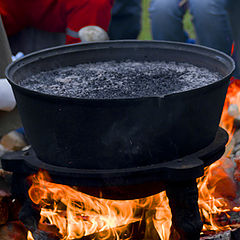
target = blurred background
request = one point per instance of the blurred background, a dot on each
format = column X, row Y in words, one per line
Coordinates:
column 146, row 30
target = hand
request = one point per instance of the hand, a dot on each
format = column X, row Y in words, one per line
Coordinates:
column 92, row 34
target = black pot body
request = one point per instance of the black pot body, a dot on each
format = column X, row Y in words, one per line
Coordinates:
column 120, row 133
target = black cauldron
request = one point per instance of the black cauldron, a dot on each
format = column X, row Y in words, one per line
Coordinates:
column 120, row 133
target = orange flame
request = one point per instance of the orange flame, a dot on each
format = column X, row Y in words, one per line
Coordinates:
column 29, row 236
column 217, row 188
column 77, row 214
column 231, row 109
column 163, row 218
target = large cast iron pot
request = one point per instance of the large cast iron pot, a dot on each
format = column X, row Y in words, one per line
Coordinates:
column 120, row 133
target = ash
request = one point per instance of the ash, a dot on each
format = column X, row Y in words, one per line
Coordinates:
column 107, row 80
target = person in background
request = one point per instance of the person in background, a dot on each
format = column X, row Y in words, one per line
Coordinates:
column 36, row 24
column 76, row 20
column 166, row 18
column 126, row 19
column 234, row 16
column 216, row 23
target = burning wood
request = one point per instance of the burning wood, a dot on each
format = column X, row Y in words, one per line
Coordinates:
column 214, row 197
column 221, row 181
column 233, row 234
column 230, row 218
column 76, row 214
column 80, row 216
column 226, row 235
column 43, row 235
column 131, row 231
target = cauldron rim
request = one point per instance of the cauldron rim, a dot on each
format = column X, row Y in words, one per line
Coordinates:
column 48, row 52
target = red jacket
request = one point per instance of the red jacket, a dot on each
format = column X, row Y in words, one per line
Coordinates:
column 67, row 16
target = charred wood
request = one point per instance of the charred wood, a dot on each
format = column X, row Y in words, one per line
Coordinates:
column 43, row 235
column 29, row 216
column 231, row 218
column 233, row 234
column 211, row 235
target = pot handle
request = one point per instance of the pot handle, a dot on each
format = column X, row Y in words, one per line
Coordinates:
column 190, row 167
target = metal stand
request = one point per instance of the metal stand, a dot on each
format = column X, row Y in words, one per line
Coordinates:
column 183, row 201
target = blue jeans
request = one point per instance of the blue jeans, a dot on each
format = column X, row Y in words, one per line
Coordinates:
column 126, row 19
column 216, row 23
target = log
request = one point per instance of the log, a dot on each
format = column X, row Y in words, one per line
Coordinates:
column 231, row 218
column 43, row 235
column 50, row 232
column 225, row 179
column 226, row 235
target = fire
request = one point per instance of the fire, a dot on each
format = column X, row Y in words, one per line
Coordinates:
column 29, row 236
column 231, row 108
column 163, row 217
column 218, row 188
column 75, row 214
